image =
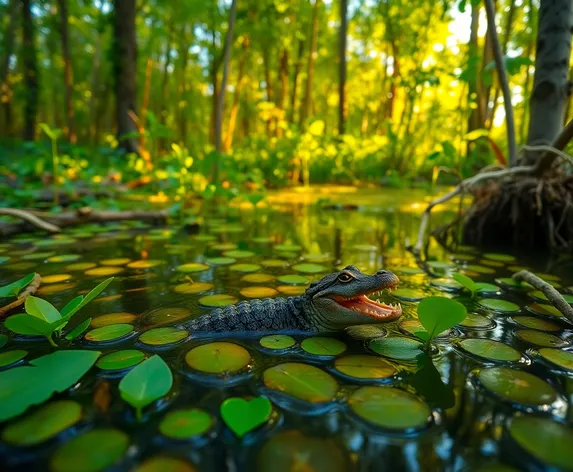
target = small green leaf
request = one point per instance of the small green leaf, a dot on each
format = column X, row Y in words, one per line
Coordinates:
column 437, row 314
column 467, row 282
column 42, row 309
column 13, row 289
column 79, row 329
column 75, row 306
column 149, row 381
column 71, row 305
column 28, row 325
column 242, row 416
column 423, row 335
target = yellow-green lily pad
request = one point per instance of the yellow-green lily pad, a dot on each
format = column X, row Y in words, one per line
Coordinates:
column 119, row 360
column 301, row 381
column 186, row 423
column 191, row 268
column 309, row 268
column 218, row 300
column 293, row 279
column 192, row 287
column 163, row 336
column 397, row 347
column 543, row 309
column 218, row 358
column 533, row 322
column 238, row 254
column 490, row 350
column 321, row 346
column 364, row 367
column 109, row 333
column 558, row 357
column 497, row 304
column 165, row 316
column 277, row 341
column 245, row 268
column 11, row 357
column 274, row 263
column 539, row 338
column 258, row 292
column 258, row 278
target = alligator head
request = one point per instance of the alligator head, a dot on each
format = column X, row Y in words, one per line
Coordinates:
column 341, row 299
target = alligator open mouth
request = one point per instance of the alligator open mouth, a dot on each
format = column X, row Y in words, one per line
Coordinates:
column 373, row 308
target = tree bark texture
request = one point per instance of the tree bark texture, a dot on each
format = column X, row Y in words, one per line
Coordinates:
column 342, row 65
column 5, row 87
column 30, row 68
column 307, row 101
column 68, row 71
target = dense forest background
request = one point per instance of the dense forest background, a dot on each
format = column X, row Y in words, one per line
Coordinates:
column 316, row 90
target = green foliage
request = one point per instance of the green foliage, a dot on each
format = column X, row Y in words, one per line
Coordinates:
column 242, row 416
column 43, row 319
column 467, row 282
column 33, row 384
column 13, row 289
column 438, row 314
column 149, row 381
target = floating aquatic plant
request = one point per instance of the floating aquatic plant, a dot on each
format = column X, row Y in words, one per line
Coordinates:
column 438, row 314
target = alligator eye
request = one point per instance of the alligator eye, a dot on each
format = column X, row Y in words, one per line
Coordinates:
column 345, row 277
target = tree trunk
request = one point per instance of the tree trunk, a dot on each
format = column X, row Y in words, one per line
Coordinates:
column 307, row 101
column 30, row 67
column 5, row 87
column 68, row 71
column 297, row 68
column 550, row 82
column 221, row 97
column 475, row 119
column 283, row 75
column 237, row 97
column 125, row 72
column 165, row 87
column 268, row 88
column 183, row 86
column 342, row 70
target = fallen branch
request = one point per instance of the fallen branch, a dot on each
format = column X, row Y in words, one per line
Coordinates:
column 82, row 216
column 30, row 218
column 554, row 297
column 30, row 290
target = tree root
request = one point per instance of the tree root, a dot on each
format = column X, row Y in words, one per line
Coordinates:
column 31, row 289
column 554, row 297
column 81, row 216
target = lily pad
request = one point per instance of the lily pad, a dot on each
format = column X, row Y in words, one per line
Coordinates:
column 224, row 247
column 533, row 322
column 218, row 300
column 309, row 268
column 258, row 292
column 112, row 318
column 43, row 424
column 293, row 279
column 483, row 287
column 165, row 316
column 409, row 294
column 80, row 455
column 364, row 367
column 511, row 284
column 218, row 358
column 35, row 256
column 542, row 309
column 558, row 357
column 409, row 270
column 479, row 269
column 163, row 336
column 144, row 264
column 118, row 261
column 301, row 381
column 119, row 360
column 539, row 338
column 220, row 261
column 20, row 266
column 165, row 464
column 245, row 268
column 497, row 304
column 55, row 288
column 192, row 268
column 258, row 278
column 204, row 237
column 292, row 290
column 539, row 295
column 277, row 341
column 186, row 423
column 321, row 346
column 274, row 263
column 242, row 416
column 194, row 287
column 490, row 350
column 499, row 257
column 445, row 284
column 517, row 386
column 545, row 439
column 55, row 278
column 238, row 254
column 413, row 326
column 103, row 271
column 64, row 258
column 11, row 357
column 109, row 333
column 475, row 321
column 288, row 247
column 318, row 258
column 397, row 347
column 3, row 340
column 81, row 266
column 390, row 408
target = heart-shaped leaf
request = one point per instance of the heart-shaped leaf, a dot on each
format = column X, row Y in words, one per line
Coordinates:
column 42, row 309
column 13, row 289
column 467, row 282
column 242, row 416
column 28, row 325
column 438, row 314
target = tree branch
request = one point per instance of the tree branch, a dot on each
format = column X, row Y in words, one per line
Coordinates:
column 30, row 290
column 30, row 218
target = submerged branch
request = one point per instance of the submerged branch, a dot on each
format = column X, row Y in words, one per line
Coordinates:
column 30, row 290
column 554, row 297
column 30, row 218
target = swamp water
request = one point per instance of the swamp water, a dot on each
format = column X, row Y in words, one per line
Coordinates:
column 495, row 395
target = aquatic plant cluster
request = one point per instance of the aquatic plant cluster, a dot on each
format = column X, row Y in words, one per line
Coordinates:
column 99, row 372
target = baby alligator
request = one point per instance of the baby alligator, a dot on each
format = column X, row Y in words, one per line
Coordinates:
column 333, row 303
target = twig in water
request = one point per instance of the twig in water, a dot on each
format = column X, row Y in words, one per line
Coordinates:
column 30, row 218
column 30, row 290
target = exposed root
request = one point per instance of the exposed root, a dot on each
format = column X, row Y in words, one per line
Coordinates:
column 81, row 216
column 30, row 218
column 31, row 289
column 554, row 297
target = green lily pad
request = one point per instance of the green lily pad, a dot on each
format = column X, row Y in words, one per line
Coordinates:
column 119, row 360
column 318, row 258
column 11, row 357
column 64, row 258
column 483, row 287
column 258, row 278
column 204, row 237
column 293, row 279
column 542, row 309
column 397, row 347
column 245, row 268
column 112, row 318
column 497, row 304
column 224, row 247
column 80, row 455
column 277, row 341
column 193, row 287
column 163, row 336
column 109, row 333
column 288, row 247
column 533, row 322
column 539, row 295
column 165, row 316
column 475, row 321
column 144, row 264
column 258, row 292
column 512, row 284
column 274, row 263
column 191, row 268
column 117, row 261
column 517, row 386
column 43, row 424
column 220, row 261
column 490, row 350
column 499, row 257
column 103, row 271
column 20, row 266
column 35, row 256
column 413, row 326
column 292, row 290
column 301, row 381
column 548, row 277
column 3, row 340
column 479, row 269
column 81, row 266
column 218, row 358
column 186, row 423
column 545, row 439
column 409, row 294
column 562, row 359
column 238, row 254
column 390, row 408
column 364, row 367
column 409, row 270
column 242, row 416
column 218, row 300
column 309, row 268
column 446, row 284
column 320, row 346
column 539, row 338
column 55, row 278
column 165, row 464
